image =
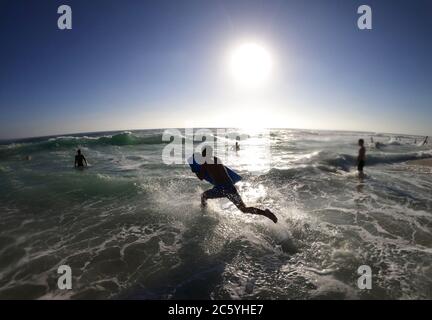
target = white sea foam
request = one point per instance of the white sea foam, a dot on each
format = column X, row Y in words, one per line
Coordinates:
column 131, row 226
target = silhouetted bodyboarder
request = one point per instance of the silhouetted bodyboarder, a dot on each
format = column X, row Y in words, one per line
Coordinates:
column 80, row 160
column 224, row 187
column 425, row 141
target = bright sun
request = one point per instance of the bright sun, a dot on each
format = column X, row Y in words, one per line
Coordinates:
column 250, row 65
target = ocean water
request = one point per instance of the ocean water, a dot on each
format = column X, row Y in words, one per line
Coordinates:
column 131, row 227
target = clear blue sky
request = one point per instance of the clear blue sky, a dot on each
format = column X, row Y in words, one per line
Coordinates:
column 151, row 64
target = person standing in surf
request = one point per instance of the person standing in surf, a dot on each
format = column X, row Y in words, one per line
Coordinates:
column 224, row 187
column 361, row 158
column 80, row 160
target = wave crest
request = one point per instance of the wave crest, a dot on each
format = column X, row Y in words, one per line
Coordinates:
column 67, row 142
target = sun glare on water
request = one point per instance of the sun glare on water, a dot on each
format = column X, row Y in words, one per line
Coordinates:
column 250, row 65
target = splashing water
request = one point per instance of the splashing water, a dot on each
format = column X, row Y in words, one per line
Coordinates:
column 131, row 226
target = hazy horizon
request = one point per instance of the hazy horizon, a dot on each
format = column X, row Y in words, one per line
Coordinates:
column 79, row 133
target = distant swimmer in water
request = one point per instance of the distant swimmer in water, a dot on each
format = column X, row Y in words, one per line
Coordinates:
column 80, row 160
column 361, row 158
column 224, row 187
column 425, row 142
column 236, row 147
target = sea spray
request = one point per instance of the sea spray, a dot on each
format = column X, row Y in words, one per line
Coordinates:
column 130, row 226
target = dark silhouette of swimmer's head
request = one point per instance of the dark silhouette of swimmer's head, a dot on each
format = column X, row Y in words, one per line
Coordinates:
column 79, row 151
column 207, row 152
column 361, row 142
